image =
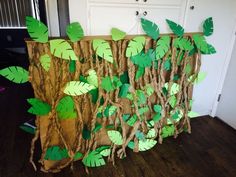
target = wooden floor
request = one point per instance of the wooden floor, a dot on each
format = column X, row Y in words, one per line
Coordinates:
column 210, row 151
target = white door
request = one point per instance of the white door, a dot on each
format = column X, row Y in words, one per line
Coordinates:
column 227, row 105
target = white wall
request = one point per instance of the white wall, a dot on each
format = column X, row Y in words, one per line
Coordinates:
column 227, row 105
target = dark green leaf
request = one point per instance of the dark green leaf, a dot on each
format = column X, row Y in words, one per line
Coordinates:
column 124, row 78
column 75, row 31
column 167, row 65
column 38, row 107
column 97, row 127
column 86, row 134
column 56, row 153
column 144, row 59
column 176, row 28
column 208, row 27
column 150, row 28
column 124, row 90
column 139, row 73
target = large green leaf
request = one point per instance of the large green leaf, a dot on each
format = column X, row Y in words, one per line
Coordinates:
column 211, row 50
column 93, row 159
column 15, row 74
column 56, row 153
column 150, row 28
column 202, row 44
column 92, row 78
column 144, row 59
column 75, row 88
column 135, row 46
column 151, row 133
column 208, row 27
column 175, row 88
column 62, row 49
column 66, row 108
column 45, row 61
column 103, row 49
column 115, row 137
column 104, row 150
column 168, row 131
column 38, row 107
column 176, row 28
column 117, row 34
column 173, row 101
column 163, row 45
column 110, row 84
column 183, row 44
column 75, row 31
column 37, row 30
column 143, row 145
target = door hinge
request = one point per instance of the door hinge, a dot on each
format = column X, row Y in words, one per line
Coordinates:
column 219, row 97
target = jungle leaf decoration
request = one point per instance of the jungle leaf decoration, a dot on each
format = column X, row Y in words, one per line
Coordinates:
column 167, row 64
column 202, row 45
column 200, row 77
column 135, row 46
column 75, row 31
column 175, row 88
column 163, row 45
column 176, row 28
column 93, row 159
column 56, row 153
column 103, row 49
column 78, row 156
column 139, row 73
column 144, row 59
column 39, row 107
column 75, row 88
column 97, row 127
column 28, row 128
column 62, row 49
column 173, row 101
column 37, row 30
column 150, row 28
column 168, row 131
column 208, row 27
column 15, row 74
column 86, row 133
column 115, row 137
column 151, row 133
column 183, row 44
column 72, row 66
column 66, row 108
column 211, row 50
column 104, row 150
column 193, row 114
column 149, row 89
column 117, row 34
column 146, row 144
column 45, row 61
column 124, row 90
column 132, row 120
column 110, row 110
column 92, row 78
column 143, row 110
column 110, row 84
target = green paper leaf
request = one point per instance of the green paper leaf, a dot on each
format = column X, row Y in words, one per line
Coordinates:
column 163, row 45
column 157, row 117
column 149, row 89
column 211, row 50
column 45, row 61
column 125, row 117
column 151, row 133
column 92, row 78
column 146, row 145
column 167, row 65
column 173, row 101
column 115, row 137
column 139, row 73
column 78, row 156
column 110, row 110
column 39, row 107
column 144, row 59
column 141, row 97
column 97, row 127
column 208, row 27
column 200, row 77
column 150, row 28
column 124, row 90
column 75, row 88
column 109, row 84
column 86, row 133
column 56, row 153
column 104, row 150
column 188, row 69
column 150, row 123
column 183, row 44
column 37, row 30
column 94, row 94
column 176, row 77
column 193, row 114
column 124, row 78
column 15, row 74
column 132, row 120
column 62, row 49
column 135, row 46
column 75, row 31
column 66, row 108
column 28, row 129
column 139, row 135
column 93, row 159
column 72, row 66
column 175, row 88
column 103, row 49
column 143, row 110
column 202, row 44
column 168, row 131
column 176, row 28
column 117, row 34
column 157, row 108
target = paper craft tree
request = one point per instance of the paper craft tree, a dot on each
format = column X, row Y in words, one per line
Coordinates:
column 94, row 97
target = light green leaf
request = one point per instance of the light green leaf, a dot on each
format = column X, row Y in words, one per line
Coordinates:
column 117, row 34
column 183, row 44
column 168, row 131
column 110, row 110
column 37, row 30
column 151, row 133
column 38, row 107
column 66, row 108
column 135, row 46
column 193, row 114
column 62, row 49
column 202, row 44
column 15, row 74
column 104, row 150
column 139, row 73
column 143, row 110
column 103, row 49
column 157, row 117
column 163, row 45
column 92, row 78
column 133, row 119
column 45, row 61
column 149, row 89
column 75, row 88
column 175, row 88
column 56, row 153
column 211, row 50
column 173, row 101
column 146, row 144
column 208, row 27
column 150, row 123
column 157, row 108
column 115, row 137
column 200, row 77
column 176, row 28
column 150, row 28
column 93, row 159
column 75, row 31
